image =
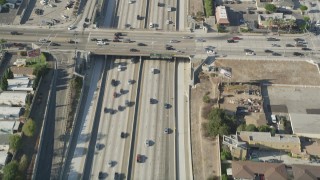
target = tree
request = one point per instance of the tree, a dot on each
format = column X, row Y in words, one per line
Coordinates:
column 224, row 177
column 15, row 142
column 10, row 171
column 220, row 123
column 264, row 128
column 23, row 164
column 303, row 8
column 290, row 23
column 226, row 155
column 241, row 127
column 4, row 83
column 251, row 127
column 29, row 128
column 270, row 7
column 9, row 74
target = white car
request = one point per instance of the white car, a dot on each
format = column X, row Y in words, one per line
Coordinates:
column 210, row 52
column 151, row 25
column 250, row 53
column 101, row 43
column 174, row 41
column 318, row 23
column 71, row 27
column 43, row 40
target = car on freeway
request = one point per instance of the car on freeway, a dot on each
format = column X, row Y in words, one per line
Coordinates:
column 276, row 54
column 298, row 39
column 94, row 39
column 166, row 105
column 275, row 45
column 250, row 53
column 43, row 41
column 289, row 45
column 166, row 130
column 186, row 37
column 300, row 45
column 200, row 40
column 14, row 33
column 272, row 39
column 123, row 135
column 210, row 52
column 116, row 40
column 268, row 51
column 122, row 91
column 127, row 103
column 115, row 94
column 236, row 38
column 134, row 50
column 110, row 163
column 174, row 41
column 130, row 81
column 117, row 176
column 142, row 44
column 100, row 175
column 305, row 49
column 55, row 44
column 139, row 158
column 298, row 54
column 101, row 43
column 71, row 27
column 230, row 41
column 148, row 142
column 118, row 34
column 153, row 101
column 72, row 41
column 120, row 108
column 113, row 82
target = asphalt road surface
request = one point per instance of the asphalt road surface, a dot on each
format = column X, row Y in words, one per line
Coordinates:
column 157, row 158
column 111, row 150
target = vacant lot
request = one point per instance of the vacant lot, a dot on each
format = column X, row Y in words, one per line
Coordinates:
column 195, row 6
column 275, row 72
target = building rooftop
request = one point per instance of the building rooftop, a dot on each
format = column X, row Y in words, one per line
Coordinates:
column 6, row 127
column 13, row 98
column 221, row 10
column 3, row 152
column 7, row 112
column 266, row 137
column 20, row 84
column 307, row 125
column 305, row 172
column 27, row 71
column 249, row 170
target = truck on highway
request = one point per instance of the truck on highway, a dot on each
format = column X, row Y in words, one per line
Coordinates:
column 169, row 8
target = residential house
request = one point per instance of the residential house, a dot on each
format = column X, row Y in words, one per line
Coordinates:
column 252, row 170
column 13, row 98
column 22, row 71
column 20, row 84
column 305, row 172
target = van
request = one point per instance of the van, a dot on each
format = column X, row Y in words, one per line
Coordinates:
column 318, row 23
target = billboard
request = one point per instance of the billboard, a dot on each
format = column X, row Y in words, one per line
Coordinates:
column 34, row 53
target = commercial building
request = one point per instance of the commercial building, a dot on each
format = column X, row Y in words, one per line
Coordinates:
column 268, row 20
column 222, row 16
column 13, row 98
column 305, row 125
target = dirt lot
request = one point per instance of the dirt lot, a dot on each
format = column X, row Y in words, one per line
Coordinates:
column 275, row 72
column 205, row 151
column 195, row 6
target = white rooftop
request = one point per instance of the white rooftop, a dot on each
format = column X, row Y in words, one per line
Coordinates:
column 222, row 12
column 6, row 127
column 266, row 137
column 16, row 98
column 305, row 124
column 3, row 153
column 7, row 112
column 20, row 84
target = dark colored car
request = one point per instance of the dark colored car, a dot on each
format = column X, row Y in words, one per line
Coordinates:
column 141, row 44
column 306, row 49
column 100, row 174
column 273, row 39
column 116, row 40
column 123, row 135
column 298, row 39
column 14, row 33
column 167, row 106
column 289, row 45
column 93, row 39
column 54, row 44
column 134, row 50
column 268, row 51
column 113, row 82
column 230, row 41
column 118, row 34
column 276, row 54
column 298, row 54
column 139, row 158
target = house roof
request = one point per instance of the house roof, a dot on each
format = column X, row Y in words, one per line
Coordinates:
column 249, row 169
column 16, row 98
column 7, row 112
column 266, row 137
column 305, row 172
column 22, row 70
